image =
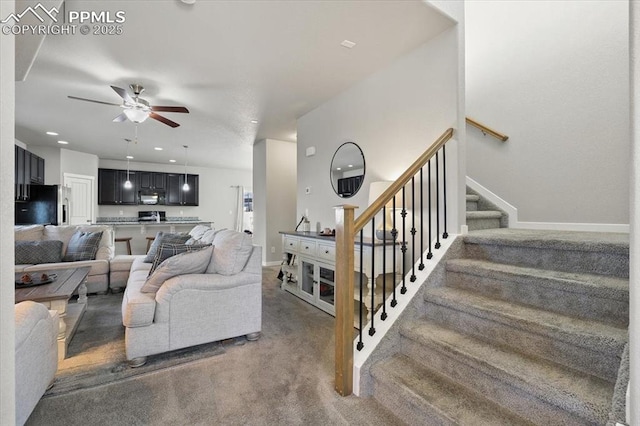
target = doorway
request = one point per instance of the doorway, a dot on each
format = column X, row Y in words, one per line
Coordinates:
column 81, row 198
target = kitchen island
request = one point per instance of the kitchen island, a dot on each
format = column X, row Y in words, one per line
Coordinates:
column 140, row 230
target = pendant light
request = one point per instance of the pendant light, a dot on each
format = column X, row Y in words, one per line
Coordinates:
column 127, row 183
column 185, row 187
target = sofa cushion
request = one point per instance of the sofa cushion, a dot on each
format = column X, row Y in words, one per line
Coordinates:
column 35, row 252
column 231, row 250
column 122, row 262
column 190, row 262
column 65, row 232
column 196, row 233
column 61, row 233
column 138, row 309
column 28, row 232
column 207, row 237
column 167, row 250
column 83, row 246
column 162, row 237
column 140, row 265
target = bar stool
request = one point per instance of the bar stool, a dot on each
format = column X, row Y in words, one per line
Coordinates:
column 149, row 241
column 125, row 240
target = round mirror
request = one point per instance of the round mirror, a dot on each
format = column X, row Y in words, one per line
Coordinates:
column 347, row 170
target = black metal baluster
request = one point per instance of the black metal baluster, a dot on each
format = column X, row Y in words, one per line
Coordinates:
column 437, row 244
column 360, row 345
column 445, row 234
column 394, row 233
column 413, row 228
column 421, row 266
column 372, row 329
column 403, row 289
column 383, row 316
column 430, row 254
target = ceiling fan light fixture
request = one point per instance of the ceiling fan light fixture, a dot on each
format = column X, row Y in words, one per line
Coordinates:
column 136, row 115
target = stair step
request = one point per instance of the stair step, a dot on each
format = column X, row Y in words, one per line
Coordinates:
column 472, row 203
column 417, row 395
column 483, row 219
column 585, row 345
column 538, row 390
column 589, row 296
column 583, row 252
column 473, row 197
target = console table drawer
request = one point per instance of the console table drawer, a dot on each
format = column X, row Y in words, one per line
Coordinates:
column 291, row 245
column 327, row 252
column 308, row 247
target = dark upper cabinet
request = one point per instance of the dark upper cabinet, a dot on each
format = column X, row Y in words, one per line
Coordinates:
column 111, row 189
column 176, row 196
column 19, row 174
column 37, row 170
column 152, row 180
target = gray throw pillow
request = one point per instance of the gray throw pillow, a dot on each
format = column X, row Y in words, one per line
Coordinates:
column 192, row 262
column 168, row 250
column 34, row 252
column 82, row 246
column 164, row 238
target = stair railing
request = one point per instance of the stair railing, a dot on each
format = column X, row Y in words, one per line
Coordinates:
column 487, row 130
column 350, row 242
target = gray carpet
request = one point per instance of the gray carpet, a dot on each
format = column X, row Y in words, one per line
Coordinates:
column 286, row 377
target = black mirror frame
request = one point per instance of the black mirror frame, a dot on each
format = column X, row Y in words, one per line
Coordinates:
column 364, row 170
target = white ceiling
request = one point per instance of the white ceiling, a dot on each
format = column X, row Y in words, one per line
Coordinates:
column 229, row 62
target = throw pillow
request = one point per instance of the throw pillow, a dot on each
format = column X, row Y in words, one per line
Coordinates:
column 162, row 237
column 168, row 250
column 194, row 262
column 231, row 253
column 207, row 237
column 35, row 252
column 82, row 246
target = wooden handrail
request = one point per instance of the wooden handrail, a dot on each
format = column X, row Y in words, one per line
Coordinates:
column 487, row 130
column 393, row 189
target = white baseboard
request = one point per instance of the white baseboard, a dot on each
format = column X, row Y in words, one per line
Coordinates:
column 272, row 263
column 512, row 211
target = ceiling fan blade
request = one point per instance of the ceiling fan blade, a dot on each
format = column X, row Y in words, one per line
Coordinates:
column 91, row 100
column 169, row 108
column 163, row 120
column 123, row 94
column 119, row 119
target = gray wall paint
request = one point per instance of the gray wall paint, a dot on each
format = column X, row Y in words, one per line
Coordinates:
column 51, row 155
column 275, row 201
column 7, row 178
column 554, row 77
column 393, row 115
column 217, row 196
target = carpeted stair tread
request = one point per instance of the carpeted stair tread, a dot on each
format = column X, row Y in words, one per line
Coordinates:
column 615, row 243
column 581, row 394
column 484, row 214
column 472, row 197
column 579, row 332
column 601, row 286
column 435, row 397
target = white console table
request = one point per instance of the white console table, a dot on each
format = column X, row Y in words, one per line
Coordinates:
column 311, row 277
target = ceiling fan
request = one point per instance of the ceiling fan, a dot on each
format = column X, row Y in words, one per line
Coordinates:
column 137, row 109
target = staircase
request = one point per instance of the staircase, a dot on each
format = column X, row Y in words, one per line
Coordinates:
column 482, row 214
column 527, row 328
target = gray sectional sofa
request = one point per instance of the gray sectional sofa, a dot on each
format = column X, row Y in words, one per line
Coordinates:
column 98, row 279
column 222, row 302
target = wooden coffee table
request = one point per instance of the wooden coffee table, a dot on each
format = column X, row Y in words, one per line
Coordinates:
column 56, row 295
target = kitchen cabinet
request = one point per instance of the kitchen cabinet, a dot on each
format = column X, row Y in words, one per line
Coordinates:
column 29, row 169
column 176, row 196
column 36, row 175
column 152, row 180
column 111, row 190
column 20, row 190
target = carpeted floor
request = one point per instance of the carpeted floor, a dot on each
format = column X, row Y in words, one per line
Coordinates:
column 285, row 378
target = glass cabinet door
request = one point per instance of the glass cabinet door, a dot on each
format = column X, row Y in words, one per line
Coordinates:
column 326, row 286
column 307, row 279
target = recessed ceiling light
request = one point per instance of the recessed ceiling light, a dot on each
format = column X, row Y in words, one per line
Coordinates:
column 347, row 43
column 338, row 168
column 130, row 157
column 63, row 142
column 350, row 165
column 188, row 1
column 172, row 161
column 52, row 133
column 254, row 121
column 157, row 148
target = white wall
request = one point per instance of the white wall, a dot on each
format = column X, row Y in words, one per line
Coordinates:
column 274, row 192
column 634, row 249
column 553, row 76
column 51, row 155
column 393, row 115
column 7, row 175
column 217, row 196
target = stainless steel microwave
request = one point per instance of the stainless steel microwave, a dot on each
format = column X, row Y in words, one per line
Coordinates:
column 151, row 197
